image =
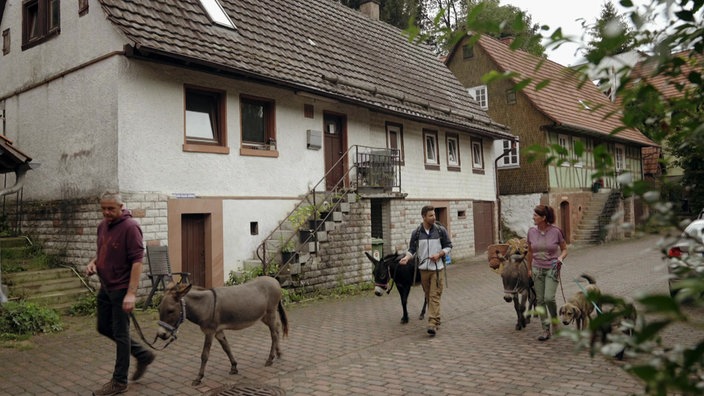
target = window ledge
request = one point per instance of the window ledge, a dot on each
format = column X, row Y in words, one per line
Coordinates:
column 432, row 167
column 478, row 171
column 454, row 168
column 205, row 148
column 259, row 153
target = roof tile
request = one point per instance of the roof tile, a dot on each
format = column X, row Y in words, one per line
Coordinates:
column 567, row 100
column 297, row 43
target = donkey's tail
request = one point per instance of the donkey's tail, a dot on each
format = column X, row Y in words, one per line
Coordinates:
column 284, row 319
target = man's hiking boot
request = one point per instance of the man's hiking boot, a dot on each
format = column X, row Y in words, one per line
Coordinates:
column 142, row 366
column 432, row 330
column 111, row 388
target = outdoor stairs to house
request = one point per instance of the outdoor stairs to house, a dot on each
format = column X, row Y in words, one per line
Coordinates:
column 596, row 216
column 303, row 242
column 57, row 288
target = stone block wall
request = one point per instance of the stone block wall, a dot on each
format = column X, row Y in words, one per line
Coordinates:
column 67, row 228
column 341, row 260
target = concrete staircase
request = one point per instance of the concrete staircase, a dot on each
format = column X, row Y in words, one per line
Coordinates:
column 589, row 229
column 297, row 240
column 57, row 288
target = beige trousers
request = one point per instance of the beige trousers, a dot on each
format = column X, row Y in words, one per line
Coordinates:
column 433, row 283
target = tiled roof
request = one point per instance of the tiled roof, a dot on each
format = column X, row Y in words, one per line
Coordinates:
column 664, row 83
column 319, row 46
column 561, row 100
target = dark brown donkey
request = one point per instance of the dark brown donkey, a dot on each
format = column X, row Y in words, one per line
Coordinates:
column 223, row 308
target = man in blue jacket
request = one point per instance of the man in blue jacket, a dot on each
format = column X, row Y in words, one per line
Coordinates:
column 430, row 243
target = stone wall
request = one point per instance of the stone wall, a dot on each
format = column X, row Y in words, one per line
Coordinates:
column 341, row 260
column 67, row 228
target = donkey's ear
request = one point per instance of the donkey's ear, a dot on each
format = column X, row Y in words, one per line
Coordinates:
column 182, row 289
column 372, row 259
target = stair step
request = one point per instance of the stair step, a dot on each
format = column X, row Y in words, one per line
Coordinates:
column 14, row 242
column 50, row 285
column 14, row 278
column 60, row 297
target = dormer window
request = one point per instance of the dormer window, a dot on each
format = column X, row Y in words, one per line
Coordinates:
column 216, row 13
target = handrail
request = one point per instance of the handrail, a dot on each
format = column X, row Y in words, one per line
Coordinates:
column 261, row 249
column 388, row 159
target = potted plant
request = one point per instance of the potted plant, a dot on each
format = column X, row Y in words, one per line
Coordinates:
column 288, row 252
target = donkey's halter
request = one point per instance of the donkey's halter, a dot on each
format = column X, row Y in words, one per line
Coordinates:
column 389, row 279
column 507, row 257
column 174, row 329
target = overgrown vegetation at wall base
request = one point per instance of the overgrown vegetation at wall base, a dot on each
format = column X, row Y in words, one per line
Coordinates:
column 21, row 318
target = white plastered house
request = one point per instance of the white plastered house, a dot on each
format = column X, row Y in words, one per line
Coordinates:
column 216, row 118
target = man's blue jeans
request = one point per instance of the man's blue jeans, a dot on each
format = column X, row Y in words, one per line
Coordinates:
column 114, row 323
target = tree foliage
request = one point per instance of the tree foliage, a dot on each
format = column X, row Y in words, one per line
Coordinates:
column 610, row 33
column 441, row 22
column 675, row 55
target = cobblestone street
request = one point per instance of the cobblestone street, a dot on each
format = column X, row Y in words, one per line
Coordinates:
column 356, row 345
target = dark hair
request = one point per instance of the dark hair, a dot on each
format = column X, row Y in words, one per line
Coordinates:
column 547, row 212
column 426, row 209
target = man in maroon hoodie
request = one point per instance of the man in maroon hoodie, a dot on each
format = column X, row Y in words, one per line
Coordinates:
column 118, row 264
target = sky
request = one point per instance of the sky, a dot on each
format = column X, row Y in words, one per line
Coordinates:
column 566, row 14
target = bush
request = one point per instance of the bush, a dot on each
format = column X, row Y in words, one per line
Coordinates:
column 85, row 306
column 28, row 318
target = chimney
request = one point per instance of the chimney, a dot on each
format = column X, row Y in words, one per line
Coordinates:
column 370, row 8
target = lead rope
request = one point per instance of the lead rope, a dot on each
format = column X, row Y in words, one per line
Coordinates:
column 170, row 328
column 586, row 294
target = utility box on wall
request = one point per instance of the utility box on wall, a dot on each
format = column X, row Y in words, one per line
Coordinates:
column 314, row 139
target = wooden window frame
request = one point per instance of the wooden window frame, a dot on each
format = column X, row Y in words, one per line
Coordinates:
column 82, row 7
column 391, row 128
column 564, row 142
column 218, row 144
column 430, row 163
column 455, row 166
column 467, row 51
column 477, row 155
column 6, row 41
column 511, row 96
column 578, row 161
column 269, row 147
column 619, row 161
column 44, row 14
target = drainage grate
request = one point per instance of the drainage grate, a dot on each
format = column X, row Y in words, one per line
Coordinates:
column 248, row 390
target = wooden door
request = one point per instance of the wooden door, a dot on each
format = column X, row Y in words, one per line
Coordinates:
column 193, row 247
column 334, row 127
column 483, row 226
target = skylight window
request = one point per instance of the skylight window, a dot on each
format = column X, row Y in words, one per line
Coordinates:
column 216, row 13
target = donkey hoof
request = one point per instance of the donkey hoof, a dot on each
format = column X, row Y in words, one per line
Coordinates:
column 234, row 370
column 421, row 317
column 195, row 382
column 404, row 320
column 268, row 363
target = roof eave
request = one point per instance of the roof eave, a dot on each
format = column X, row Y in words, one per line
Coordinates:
column 599, row 134
column 155, row 55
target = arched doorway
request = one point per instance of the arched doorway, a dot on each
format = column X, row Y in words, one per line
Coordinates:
column 565, row 220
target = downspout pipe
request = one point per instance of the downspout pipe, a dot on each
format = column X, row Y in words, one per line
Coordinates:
column 496, row 184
